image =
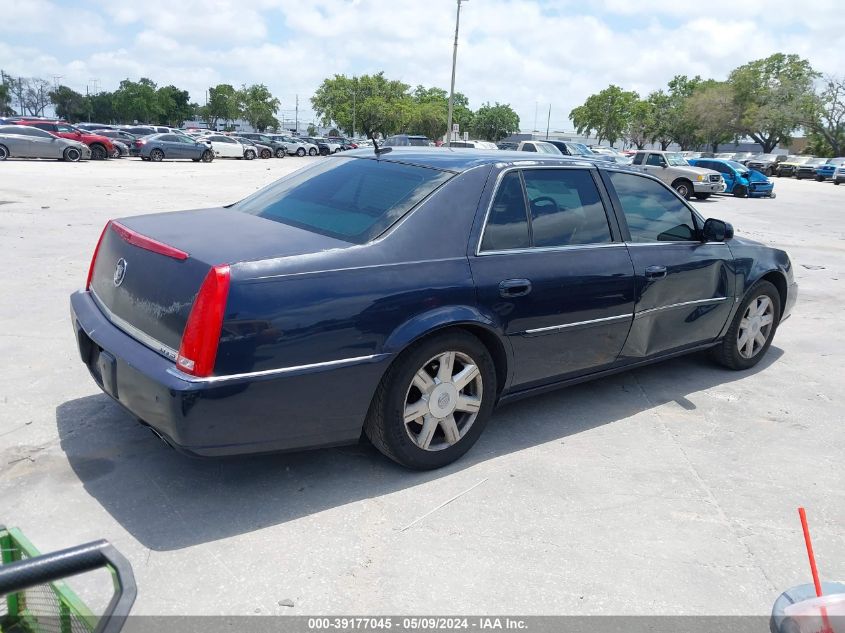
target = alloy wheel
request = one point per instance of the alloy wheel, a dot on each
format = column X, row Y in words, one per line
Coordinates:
column 755, row 327
column 443, row 401
column 4, row 153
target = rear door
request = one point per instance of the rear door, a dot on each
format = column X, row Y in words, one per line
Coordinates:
column 684, row 288
column 550, row 264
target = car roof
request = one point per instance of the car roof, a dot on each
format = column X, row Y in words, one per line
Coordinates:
column 463, row 158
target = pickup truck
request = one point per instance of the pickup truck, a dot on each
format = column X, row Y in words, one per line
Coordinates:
column 675, row 171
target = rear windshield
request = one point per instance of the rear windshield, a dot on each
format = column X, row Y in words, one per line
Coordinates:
column 351, row 199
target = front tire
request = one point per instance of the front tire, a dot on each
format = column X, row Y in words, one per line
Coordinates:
column 4, row 152
column 684, row 188
column 819, row 178
column 71, row 155
column 312, row 152
column 280, row 153
column 249, row 154
column 300, row 152
column 434, row 401
column 207, row 156
column 740, row 191
column 156, row 156
column 752, row 330
column 702, row 196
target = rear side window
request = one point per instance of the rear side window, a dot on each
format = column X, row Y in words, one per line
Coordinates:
column 351, row 199
column 653, row 213
column 507, row 224
column 566, row 208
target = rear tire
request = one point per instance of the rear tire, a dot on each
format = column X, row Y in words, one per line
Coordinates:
column 300, row 152
column 4, row 152
column 735, row 351
column 769, row 172
column 99, row 152
column 266, row 153
column 71, row 155
column 156, row 156
column 390, row 424
column 819, row 178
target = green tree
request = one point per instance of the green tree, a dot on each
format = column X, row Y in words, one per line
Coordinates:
column 661, row 105
column 371, row 104
column 494, row 122
column 771, row 96
column 100, row 107
column 606, row 113
column 137, row 101
column 713, row 109
column 224, row 104
column 68, row 103
column 259, row 106
column 681, row 124
column 312, row 129
column 5, row 95
column 640, row 123
column 174, row 106
column 824, row 117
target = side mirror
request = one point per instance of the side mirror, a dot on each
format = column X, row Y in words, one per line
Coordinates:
column 716, row 231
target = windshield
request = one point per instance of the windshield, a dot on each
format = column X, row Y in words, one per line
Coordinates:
column 579, row 149
column 742, row 169
column 766, row 157
column 418, row 141
column 351, row 199
column 816, row 161
column 676, row 160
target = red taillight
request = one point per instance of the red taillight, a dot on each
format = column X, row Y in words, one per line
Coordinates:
column 198, row 350
column 147, row 243
column 94, row 257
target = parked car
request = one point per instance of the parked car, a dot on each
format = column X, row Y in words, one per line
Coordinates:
column 743, row 157
column 122, row 136
column 839, row 175
column 257, row 149
column 101, row 146
column 739, row 180
column 94, row 127
column 224, row 146
column 333, row 145
column 674, row 170
column 725, row 155
column 278, row 147
column 788, row 166
column 579, row 150
column 541, row 147
column 138, row 130
column 121, row 149
column 322, row 146
column 808, row 168
column 826, row 171
column 405, row 140
column 297, row 145
column 158, row 147
column 765, row 163
column 475, row 144
column 507, row 145
column 25, row 141
column 332, row 287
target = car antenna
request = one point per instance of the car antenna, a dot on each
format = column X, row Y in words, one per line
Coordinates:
column 379, row 150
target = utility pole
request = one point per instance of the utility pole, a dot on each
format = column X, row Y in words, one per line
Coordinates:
column 452, row 89
column 296, row 125
column 548, row 121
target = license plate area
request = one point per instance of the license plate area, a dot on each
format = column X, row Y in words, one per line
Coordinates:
column 102, row 364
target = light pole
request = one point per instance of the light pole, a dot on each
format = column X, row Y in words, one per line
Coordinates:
column 452, row 89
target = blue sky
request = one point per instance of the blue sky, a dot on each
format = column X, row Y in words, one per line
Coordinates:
column 530, row 53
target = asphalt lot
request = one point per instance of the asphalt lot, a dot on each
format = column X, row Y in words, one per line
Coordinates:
column 669, row 489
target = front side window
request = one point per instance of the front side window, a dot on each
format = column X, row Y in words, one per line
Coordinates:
column 507, row 223
column 653, row 212
column 566, row 208
column 655, row 160
column 351, row 199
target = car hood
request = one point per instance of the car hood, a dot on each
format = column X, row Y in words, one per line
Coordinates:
column 756, row 176
column 695, row 170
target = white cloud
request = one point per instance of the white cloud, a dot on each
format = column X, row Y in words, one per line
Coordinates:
column 524, row 52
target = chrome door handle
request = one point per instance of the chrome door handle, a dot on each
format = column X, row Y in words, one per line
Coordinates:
column 655, row 272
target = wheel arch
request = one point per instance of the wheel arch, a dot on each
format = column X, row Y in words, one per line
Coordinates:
column 437, row 322
column 778, row 280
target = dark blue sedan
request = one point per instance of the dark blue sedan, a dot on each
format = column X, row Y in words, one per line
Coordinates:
column 407, row 294
column 740, row 181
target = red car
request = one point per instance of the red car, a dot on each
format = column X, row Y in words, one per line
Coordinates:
column 101, row 146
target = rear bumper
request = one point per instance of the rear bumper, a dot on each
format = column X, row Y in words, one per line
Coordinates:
column 306, row 407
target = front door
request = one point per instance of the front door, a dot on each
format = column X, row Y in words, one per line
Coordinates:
column 685, row 288
column 549, row 270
